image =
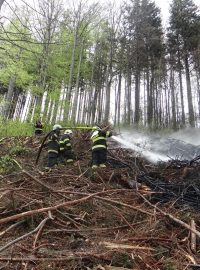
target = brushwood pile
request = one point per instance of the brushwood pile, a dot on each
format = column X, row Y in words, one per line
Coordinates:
column 130, row 215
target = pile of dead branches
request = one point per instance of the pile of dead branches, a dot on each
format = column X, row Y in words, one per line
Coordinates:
column 76, row 218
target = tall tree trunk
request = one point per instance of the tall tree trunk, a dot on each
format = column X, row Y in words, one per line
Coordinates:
column 198, row 92
column 181, row 88
column 74, row 108
column 94, row 102
column 189, row 92
column 9, row 96
column 13, row 103
column 128, row 98
column 150, row 102
column 137, row 98
column 69, row 88
column 119, row 98
column 1, row 3
column 172, row 87
column 23, row 102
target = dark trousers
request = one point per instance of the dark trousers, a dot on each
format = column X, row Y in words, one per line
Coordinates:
column 65, row 155
column 52, row 160
column 99, row 156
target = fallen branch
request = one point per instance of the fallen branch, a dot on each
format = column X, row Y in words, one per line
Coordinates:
column 25, row 235
column 11, row 227
column 40, row 230
column 180, row 222
column 51, row 208
column 193, row 237
column 122, row 246
column 125, row 205
column 93, row 229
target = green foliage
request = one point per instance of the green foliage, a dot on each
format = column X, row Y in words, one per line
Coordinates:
column 185, row 23
column 10, row 128
column 18, row 60
column 19, row 150
column 7, row 165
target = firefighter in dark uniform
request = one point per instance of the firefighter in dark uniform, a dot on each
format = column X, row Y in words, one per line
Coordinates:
column 53, row 146
column 66, row 153
column 38, row 127
column 99, row 147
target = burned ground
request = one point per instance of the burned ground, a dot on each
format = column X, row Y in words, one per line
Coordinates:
column 131, row 215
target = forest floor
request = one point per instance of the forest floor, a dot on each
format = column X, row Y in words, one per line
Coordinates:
column 130, row 215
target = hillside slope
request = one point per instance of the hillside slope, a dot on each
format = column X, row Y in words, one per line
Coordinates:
column 113, row 218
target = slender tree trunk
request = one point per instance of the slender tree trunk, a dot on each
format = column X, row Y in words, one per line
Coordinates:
column 172, row 87
column 137, row 98
column 1, row 3
column 13, row 103
column 108, row 86
column 119, row 98
column 22, row 105
column 181, row 88
column 9, row 96
column 125, row 103
column 198, row 92
column 150, row 103
column 74, row 108
column 69, row 89
column 189, row 92
column 129, row 107
column 94, row 103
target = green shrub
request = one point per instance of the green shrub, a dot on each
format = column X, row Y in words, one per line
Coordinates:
column 7, row 165
column 19, row 150
column 10, row 128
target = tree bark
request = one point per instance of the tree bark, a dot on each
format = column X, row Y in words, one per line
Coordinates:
column 181, row 89
column 189, row 92
column 1, row 3
column 9, row 96
column 172, row 87
column 137, row 98
column 75, row 102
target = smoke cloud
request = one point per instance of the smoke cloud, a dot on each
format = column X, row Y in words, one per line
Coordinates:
column 155, row 147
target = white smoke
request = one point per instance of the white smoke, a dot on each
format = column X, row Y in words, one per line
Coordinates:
column 157, row 147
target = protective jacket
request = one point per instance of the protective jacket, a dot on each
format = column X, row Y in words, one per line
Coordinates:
column 99, row 139
column 66, row 153
column 99, row 148
column 65, row 143
column 53, row 145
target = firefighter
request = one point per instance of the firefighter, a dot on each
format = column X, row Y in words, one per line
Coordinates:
column 53, row 146
column 99, row 147
column 66, row 153
column 38, row 127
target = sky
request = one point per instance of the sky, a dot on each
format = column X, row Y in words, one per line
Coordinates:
column 162, row 4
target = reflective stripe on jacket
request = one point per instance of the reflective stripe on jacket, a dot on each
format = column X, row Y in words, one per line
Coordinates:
column 99, row 141
column 65, row 143
column 53, row 145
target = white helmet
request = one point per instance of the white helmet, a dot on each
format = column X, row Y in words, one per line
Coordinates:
column 96, row 128
column 57, row 127
column 68, row 131
column 95, row 133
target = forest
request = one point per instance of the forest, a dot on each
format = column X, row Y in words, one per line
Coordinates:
column 89, row 63
column 89, row 177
